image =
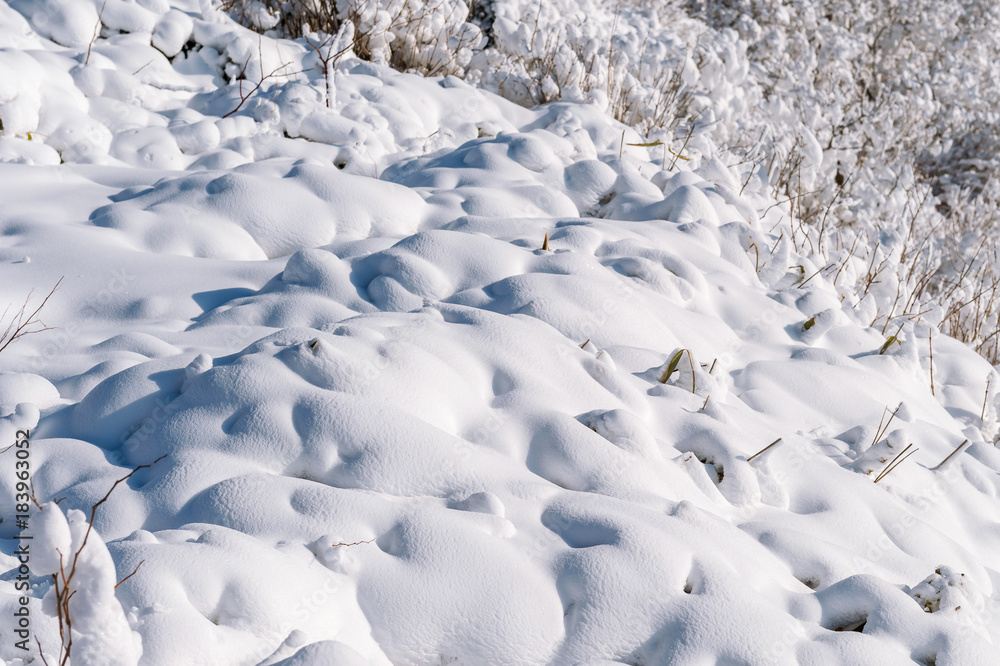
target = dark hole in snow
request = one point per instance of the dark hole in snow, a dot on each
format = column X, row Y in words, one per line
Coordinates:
column 854, row 625
column 811, row 582
column 695, row 580
column 713, row 468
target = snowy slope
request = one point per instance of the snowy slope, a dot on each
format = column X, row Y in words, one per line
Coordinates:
column 399, row 431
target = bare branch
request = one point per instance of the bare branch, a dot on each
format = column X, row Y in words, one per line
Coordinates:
column 22, row 324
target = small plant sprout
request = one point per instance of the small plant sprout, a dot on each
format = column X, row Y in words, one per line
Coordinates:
column 545, row 242
column 674, row 365
column 891, row 340
column 809, row 323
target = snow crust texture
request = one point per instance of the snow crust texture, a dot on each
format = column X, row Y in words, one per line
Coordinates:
column 441, row 379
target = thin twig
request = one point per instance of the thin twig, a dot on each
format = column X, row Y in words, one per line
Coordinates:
column 134, row 571
column 986, row 397
column 775, row 442
column 930, row 344
column 356, row 543
column 677, row 155
column 97, row 32
column 20, row 325
column 41, row 654
column 63, row 581
column 948, row 457
column 803, row 283
column 93, row 509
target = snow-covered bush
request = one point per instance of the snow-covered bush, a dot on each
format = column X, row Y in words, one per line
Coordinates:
column 92, row 623
column 630, row 58
column 878, row 126
column 429, row 37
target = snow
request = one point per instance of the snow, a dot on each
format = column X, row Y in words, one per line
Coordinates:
column 399, row 430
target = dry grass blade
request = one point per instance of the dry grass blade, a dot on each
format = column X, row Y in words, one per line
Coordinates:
column 691, row 363
column 806, row 281
column 896, row 462
column 764, row 450
column 672, row 367
column 97, row 32
column 678, row 155
column 348, row 545
column 986, row 399
column 948, row 457
column 880, row 431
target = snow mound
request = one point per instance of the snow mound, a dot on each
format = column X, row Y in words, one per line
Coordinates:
column 242, row 213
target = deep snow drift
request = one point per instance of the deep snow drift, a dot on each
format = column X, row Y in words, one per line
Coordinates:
column 399, row 431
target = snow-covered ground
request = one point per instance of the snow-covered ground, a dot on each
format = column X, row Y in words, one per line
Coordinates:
column 444, row 379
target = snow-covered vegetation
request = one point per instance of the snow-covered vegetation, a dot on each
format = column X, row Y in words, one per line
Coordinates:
column 875, row 121
column 562, row 332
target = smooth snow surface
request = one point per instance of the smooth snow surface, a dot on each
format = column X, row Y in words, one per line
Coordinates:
column 397, row 431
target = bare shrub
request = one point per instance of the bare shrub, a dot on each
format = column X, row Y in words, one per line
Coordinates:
column 24, row 321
